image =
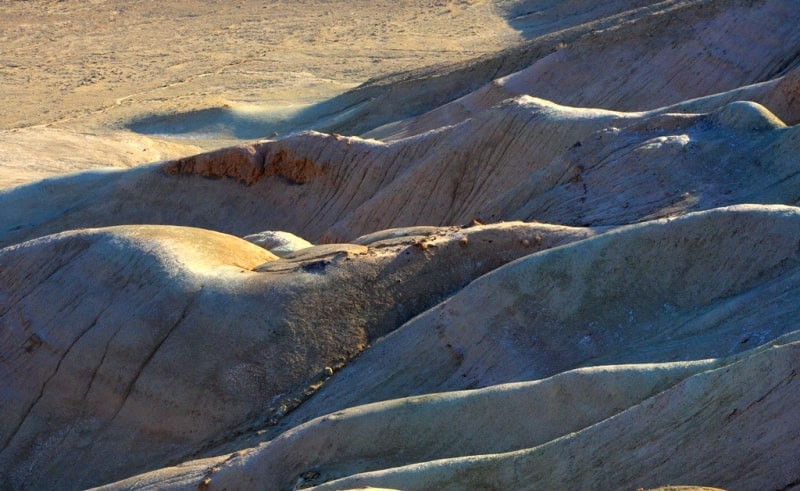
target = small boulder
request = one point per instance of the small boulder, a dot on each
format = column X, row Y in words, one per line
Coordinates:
column 279, row 243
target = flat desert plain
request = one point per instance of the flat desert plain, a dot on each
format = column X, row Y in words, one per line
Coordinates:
column 72, row 71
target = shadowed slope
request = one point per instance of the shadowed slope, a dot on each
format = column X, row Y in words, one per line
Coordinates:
column 142, row 344
column 682, row 289
column 728, row 426
column 615, row 55
column 678, row 289
column 526, row 158
column 415, row 429
column 36, row 153
column 668, row 53
column 662, row 324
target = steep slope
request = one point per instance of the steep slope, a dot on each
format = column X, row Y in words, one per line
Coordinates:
column 660, row 55
column 410, row 430
column 126, row 348
column 703, row 295
column 524, row 159
column 627, row 317
column 676, row 289
column 727, row 426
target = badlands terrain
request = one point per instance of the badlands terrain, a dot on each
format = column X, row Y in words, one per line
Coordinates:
column 479, row 244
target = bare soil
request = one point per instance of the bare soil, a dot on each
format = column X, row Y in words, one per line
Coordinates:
column 94, row 65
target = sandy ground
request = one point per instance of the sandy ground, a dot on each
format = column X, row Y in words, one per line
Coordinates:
column 93, row 65
column 74, row 73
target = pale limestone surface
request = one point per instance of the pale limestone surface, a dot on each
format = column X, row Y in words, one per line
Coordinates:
column 130, row 345
column 277, row 242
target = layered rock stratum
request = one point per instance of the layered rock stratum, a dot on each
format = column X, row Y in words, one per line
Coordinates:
column 573, row 263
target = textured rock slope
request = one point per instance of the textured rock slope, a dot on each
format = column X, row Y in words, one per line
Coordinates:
column 526, row 159
column 626, row 318
column 201, row 335
column 646, row 307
